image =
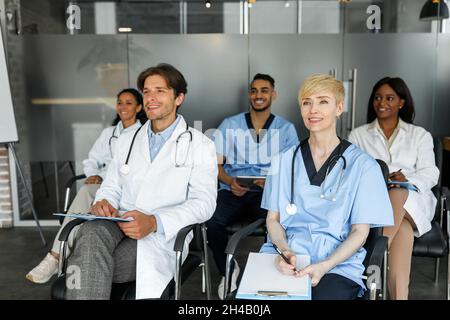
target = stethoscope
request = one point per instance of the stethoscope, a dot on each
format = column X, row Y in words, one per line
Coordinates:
column 291, row 208
column 113, row 136
column 125, row 168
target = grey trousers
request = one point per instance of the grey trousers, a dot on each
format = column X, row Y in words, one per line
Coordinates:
column 102, row 255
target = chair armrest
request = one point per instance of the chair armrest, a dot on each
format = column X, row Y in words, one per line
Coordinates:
column 376, row 259
column 241, row 234
column 445, row 192
column 71, row 181
column 181, row 237
column 64, row 235
column 446, row 196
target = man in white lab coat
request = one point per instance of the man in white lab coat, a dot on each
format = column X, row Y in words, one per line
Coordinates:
column 165, row 178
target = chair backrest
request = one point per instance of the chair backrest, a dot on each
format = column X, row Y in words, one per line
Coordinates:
column 197, row 242
column 438, row 156
column 374, row 233
column 384, row 169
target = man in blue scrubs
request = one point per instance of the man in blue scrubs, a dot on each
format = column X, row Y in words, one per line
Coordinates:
column 245, row 144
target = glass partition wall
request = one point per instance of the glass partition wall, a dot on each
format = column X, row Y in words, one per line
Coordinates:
column 70, row 75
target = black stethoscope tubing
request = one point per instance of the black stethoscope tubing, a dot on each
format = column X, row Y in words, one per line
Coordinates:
column 335, row 158
column 137, row 131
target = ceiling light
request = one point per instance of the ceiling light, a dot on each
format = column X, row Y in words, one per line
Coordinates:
column 123, row 29
column 434, row 10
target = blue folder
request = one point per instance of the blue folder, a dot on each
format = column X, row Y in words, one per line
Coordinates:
column 405, row 185
column 88, row 216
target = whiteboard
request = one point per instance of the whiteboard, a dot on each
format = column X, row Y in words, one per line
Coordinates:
column 8, row 129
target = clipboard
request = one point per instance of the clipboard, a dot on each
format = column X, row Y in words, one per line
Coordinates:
column 405, row 185
column 262, row 281
column 89, row 216
column 247, row 181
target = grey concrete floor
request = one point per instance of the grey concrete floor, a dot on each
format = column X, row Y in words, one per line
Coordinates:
column 21, row 249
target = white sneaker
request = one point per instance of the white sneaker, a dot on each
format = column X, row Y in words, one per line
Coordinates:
column 44, row 270
column 234, row 277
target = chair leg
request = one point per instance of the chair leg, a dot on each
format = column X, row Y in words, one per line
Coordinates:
column 385, row 272
column 448, row 275
column 436, row 271
column 228, row 272
column 62, row 258
column 178, row 276
column 206, row 271
column 202, row 265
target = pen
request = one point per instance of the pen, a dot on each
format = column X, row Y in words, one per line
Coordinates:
column 282, row 255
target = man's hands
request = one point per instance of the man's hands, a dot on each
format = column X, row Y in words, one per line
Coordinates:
column 237, row 189
column 93, row 180
column 140, row 227
column 103, row 208
column 260, row 183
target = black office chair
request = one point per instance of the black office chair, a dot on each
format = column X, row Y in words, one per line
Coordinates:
column 434, row 244
column 375, row 245
column 197, row 257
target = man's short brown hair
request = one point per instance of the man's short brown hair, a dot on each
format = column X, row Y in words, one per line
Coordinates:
column 173, row 77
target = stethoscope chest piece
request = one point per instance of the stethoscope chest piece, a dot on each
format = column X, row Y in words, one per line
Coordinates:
column 125, row 169
column 291, row 209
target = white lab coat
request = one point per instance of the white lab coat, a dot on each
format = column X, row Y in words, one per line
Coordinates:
column 101, row 153
column 180, row 196
column 411, row 151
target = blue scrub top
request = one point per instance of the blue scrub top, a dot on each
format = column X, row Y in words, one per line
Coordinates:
column 321, row 225
column 247, row 154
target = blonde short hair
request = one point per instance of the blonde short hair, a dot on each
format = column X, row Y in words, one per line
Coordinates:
column 316, row 83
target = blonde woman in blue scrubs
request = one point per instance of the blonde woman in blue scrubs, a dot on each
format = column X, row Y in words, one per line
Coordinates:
column 325, row 216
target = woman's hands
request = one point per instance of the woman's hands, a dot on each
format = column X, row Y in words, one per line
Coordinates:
column 397, row 176
column 93, row 180
column 315, row 271
column 283, row 266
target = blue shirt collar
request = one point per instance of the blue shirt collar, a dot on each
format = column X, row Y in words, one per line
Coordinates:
column 166, row 133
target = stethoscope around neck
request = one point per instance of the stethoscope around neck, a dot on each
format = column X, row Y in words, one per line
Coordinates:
column 291, row 207
column 113, row 136
column 125, row 168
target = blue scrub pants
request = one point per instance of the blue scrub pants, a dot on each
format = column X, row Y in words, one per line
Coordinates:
column 231, row 208
column 333, row 286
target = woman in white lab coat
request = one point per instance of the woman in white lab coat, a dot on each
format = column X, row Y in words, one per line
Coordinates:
column 408, row 151
column 130, row 116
